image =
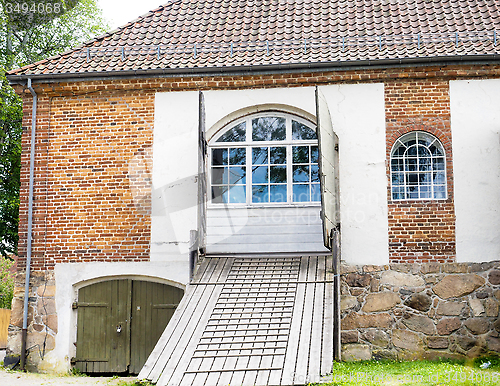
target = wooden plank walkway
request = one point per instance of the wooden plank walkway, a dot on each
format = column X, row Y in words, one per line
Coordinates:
column 249, row 321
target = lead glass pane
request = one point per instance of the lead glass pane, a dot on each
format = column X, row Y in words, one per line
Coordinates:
column 302, row 132
column 219, row 157
column 260, row 175
column 314, row 154
column 236, row 134
column 237, row 156
column 278, row 174
column 237, row 175
column 278, row 155
column 301, row 193
column 412, row 151
column 237, row 194
column 259, row 155
column 300, row 154
column 219, row 194
column 438, row 164
column 300, row 173
column 219, row 175
column 314, row 173
column 278, row 193
column 260, row 193
column 269, row 129
column 315, row 193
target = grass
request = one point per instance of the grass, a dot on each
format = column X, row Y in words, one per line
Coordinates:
column 134, row 383
column 415, row 373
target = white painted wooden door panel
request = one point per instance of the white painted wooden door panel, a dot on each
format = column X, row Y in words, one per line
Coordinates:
column 262, row 230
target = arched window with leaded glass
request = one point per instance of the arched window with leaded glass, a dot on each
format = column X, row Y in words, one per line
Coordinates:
column 265, row 159
column 418, row 167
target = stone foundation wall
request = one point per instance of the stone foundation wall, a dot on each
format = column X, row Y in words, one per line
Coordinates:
column 420, row 311
column 397, row 311
column 42, row 317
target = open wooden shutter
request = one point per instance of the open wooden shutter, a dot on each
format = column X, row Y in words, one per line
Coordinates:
column 202, row 179
column 328, row 168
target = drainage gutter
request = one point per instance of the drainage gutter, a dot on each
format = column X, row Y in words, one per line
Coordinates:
column 30, row 226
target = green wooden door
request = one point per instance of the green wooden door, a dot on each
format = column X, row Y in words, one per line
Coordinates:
column 103, row 327
column 119, row 322
column 153, row 305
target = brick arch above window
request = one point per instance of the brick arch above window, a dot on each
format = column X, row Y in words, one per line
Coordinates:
column 418, row 167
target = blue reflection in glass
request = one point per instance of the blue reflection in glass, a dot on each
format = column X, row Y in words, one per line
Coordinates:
column 260, row 193
column 315, row 193
column 301, row 193
column 237, row 156
column 237, row 194
column 314, row 173
column 260, row 175
column 278, row 155
column 237, row 175
column 278, row 193
column 300, row 173
column 259, row 155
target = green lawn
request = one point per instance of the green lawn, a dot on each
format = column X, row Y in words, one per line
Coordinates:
column 449, row 373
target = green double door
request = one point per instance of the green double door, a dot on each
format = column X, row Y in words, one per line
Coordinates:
column 119, row 323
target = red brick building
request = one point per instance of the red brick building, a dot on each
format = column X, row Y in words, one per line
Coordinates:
column 201, row 116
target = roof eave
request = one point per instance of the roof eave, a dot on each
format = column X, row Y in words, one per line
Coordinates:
column 259, row 69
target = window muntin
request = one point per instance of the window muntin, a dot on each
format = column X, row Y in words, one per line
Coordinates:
column 418, row 168
column 265, row 159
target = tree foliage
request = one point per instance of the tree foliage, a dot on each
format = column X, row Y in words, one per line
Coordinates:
column 6, row 283
column 10, row 164
column 28, row 35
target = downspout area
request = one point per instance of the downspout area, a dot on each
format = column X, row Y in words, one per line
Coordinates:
column 24, row 334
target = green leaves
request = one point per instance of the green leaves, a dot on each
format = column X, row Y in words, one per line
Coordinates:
column 6, row 283
column 27, row 37
column 23, row 15
column 10, row 164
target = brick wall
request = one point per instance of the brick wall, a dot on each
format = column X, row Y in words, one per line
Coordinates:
column 420, row 230
column 93, row 155
column 87, row 152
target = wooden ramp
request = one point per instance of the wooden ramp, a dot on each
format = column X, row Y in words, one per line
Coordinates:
column 249, row 321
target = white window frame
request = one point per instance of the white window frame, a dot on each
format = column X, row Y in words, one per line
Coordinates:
column 248, row 144
column 402, row 141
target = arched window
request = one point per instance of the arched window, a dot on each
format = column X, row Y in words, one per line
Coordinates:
column 269, row 158
column 418, row 167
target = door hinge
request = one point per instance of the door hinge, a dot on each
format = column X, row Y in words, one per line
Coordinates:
column 74, row 305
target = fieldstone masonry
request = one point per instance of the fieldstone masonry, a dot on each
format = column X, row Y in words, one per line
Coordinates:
column 420, row 311
column 42, row 318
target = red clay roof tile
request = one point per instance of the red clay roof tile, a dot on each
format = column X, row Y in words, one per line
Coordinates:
column 193, row 34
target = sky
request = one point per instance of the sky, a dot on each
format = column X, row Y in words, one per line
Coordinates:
column 120, row 12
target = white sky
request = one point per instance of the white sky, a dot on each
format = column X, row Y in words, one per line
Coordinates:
column 120, row 12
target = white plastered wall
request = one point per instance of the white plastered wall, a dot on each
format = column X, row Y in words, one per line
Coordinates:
column 358, row 117
column 175, row 169
column 71, row 277
column 475, row 127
